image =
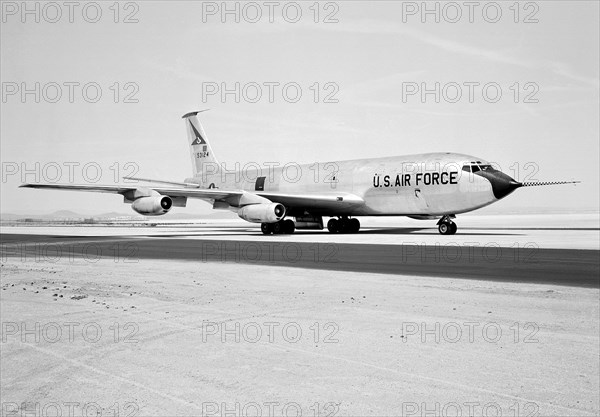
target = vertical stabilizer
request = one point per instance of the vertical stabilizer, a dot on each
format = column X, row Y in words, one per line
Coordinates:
column 203, row 158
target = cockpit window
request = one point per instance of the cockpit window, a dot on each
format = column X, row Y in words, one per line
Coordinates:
column 474, row 167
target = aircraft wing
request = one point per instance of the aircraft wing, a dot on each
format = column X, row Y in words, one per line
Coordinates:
column 75, row 187
column 119, row 189
column 235, row 198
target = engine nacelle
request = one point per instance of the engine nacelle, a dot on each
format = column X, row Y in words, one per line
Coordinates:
column 262, row 213
column 153, row 206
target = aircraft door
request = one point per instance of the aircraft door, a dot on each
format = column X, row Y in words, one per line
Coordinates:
column 260, row 184
column 420, row 199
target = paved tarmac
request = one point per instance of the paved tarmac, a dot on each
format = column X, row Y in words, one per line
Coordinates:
column 489, row 261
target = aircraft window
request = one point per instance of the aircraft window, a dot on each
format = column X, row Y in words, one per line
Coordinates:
column 475, row 168
column 466, row 168
column 485, row 167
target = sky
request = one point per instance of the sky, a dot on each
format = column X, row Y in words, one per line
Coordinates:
column 528, row 79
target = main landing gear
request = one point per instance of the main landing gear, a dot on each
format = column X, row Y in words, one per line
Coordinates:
column 282, row 227
column 343, row 225
column 446, row 226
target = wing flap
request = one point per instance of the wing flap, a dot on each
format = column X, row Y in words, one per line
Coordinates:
column 179, row 184
column 205, row 194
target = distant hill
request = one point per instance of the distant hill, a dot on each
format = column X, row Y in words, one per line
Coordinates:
column 64, row 214
column 113, row 214
column 71, row 215
column 57, row 215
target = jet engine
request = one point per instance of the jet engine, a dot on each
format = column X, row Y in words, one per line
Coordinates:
column 153, row 206
column 262, row 213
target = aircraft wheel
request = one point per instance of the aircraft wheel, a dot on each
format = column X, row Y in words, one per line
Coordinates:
column 444, row 228
column 266, row 228
column 288, row 226
column 354, row 225
column 277, row 228
column 333, row 226
column 453, row 228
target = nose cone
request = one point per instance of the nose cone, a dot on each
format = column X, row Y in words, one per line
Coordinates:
column 502, row 184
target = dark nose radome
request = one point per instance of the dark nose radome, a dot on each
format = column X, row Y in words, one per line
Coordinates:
column 502, row 184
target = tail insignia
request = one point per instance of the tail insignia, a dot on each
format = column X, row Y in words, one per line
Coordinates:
column 199, row 140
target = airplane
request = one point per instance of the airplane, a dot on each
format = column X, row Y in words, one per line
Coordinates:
column 430, row 186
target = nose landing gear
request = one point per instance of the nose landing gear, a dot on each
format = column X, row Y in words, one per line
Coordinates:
column 446, row 226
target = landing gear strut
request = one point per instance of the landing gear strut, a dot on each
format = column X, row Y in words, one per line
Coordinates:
column 343, row 225
column 279, row 228
column 446, row 226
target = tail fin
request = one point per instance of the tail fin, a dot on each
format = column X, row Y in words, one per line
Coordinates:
column 203, row 158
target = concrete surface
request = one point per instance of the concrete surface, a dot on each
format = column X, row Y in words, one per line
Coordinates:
column 572, row 231
column 470, row 260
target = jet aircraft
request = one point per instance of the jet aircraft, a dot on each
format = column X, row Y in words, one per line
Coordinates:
column 430, row 186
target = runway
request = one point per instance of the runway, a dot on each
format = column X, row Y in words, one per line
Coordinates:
column 528, row 263
column 557, row 249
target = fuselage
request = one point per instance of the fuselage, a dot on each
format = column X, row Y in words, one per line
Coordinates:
column 412, row 185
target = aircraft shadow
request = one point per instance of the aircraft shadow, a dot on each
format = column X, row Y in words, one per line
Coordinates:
column 383, row 231
column 424, row 231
